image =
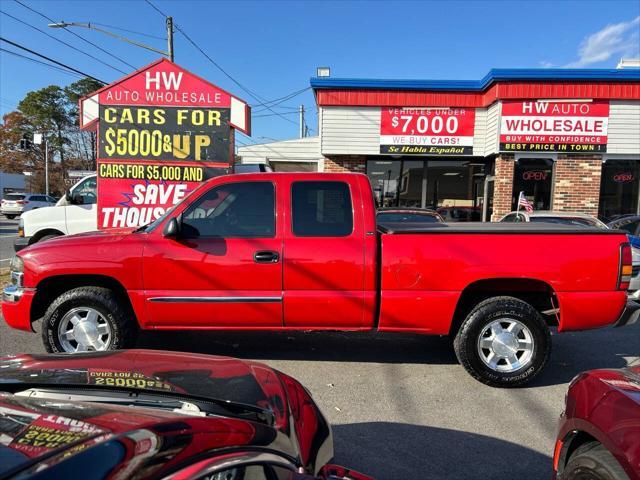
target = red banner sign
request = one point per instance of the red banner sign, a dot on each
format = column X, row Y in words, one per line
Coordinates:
column 554, row 126
column 427, row 131
column 161, row 132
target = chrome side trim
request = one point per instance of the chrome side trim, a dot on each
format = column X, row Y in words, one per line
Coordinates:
column 216, row 299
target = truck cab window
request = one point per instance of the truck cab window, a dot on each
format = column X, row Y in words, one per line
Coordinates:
column 321, row 209
column 235, row 210
column 87, row 191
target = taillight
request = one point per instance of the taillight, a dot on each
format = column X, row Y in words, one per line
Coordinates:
column 626, row 266
column 21, row 202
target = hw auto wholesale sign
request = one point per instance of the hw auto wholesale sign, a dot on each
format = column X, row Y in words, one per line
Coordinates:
column 554, row 126
column 427, row 131
column 161, row 132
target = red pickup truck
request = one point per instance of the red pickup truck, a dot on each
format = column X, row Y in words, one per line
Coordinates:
column 302, row 251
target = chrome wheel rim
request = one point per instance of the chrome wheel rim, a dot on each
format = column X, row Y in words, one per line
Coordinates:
column 506, row 345
column 84, row 329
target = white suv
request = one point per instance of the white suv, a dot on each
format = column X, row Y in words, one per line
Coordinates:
column 15, row 204
column 76, row 212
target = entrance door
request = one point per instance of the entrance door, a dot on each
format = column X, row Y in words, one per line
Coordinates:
column 225, row 268
column 619, row 189
column 533, row 176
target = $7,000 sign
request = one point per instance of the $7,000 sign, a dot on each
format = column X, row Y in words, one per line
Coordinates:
column 427, row 131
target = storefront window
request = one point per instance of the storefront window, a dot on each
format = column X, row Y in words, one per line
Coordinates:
column 384, row 177
column 455, row 188
column 619, row 187
column 533, row 176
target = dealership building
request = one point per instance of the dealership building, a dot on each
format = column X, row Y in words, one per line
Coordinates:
column 569, row 139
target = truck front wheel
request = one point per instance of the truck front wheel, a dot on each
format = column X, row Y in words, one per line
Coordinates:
column 503, row 342
column 87, row 319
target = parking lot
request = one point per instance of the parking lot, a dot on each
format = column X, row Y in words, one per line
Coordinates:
column 8, row 232
column 401, row 407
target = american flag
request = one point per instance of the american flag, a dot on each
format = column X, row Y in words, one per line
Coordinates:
column 523, row 202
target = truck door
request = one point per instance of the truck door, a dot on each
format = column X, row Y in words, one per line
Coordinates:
column 324, row 257
column 224, row 269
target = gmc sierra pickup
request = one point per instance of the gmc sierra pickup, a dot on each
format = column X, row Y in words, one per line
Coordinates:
column 303, row 251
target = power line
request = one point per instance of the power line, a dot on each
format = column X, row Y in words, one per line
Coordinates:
column 21, row 47
column 53, row 67
column 254, row 95
column 129, row 31
column 274, row 114
column 278, row 101
column 76, row 35
column 63, row 42
column 156, row 9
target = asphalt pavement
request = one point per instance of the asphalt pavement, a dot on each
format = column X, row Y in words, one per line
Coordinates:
column 8, row 232
column 401, row 407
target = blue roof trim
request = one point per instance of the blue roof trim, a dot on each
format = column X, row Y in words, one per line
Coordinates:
column 495, row 75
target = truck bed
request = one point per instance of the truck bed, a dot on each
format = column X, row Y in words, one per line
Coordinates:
column 492, row 228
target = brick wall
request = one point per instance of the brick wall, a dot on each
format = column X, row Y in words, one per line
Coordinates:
column 350, row 164
column 502, row 186
column 577, row 184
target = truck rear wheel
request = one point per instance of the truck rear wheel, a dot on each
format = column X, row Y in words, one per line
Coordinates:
column 503, row 342
column 87, row 319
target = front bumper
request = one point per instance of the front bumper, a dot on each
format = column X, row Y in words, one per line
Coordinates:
column 629, row 315
column 11, row 210
column 21, row 242
column 16, row 305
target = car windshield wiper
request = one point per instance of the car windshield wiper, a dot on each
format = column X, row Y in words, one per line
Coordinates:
column 138, row 396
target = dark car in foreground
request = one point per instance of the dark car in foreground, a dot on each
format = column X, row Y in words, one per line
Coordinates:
column 599, row 435
column 149, row 414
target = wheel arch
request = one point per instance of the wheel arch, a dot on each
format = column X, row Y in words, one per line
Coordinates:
column 50, row 288
column 570, row 443
column 538, row 293
column 43, row 233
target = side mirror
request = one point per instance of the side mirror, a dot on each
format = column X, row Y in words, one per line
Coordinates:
column 67, row 195
column 171, row 228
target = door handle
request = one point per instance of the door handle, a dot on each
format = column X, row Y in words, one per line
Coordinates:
column 266, row 256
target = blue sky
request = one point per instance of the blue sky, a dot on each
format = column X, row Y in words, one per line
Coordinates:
column 272, row 48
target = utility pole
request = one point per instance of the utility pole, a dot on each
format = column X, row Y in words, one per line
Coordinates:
column 302, row 132
column 37, row 139
column 170, row 37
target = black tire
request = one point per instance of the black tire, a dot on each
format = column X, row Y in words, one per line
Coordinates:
column 466, row 341
column 592, row 461
column 10, row 217
column 119, row 317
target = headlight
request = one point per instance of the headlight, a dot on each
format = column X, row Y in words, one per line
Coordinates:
column 16, row 265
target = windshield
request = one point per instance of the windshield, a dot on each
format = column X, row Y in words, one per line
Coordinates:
column 12, row 197
column 153, row 225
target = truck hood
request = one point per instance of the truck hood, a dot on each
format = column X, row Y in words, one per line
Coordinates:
column 84, row 238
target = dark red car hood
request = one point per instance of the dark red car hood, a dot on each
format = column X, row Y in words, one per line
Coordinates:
column 625, row 380
column 287, row 419
column 205, row 376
